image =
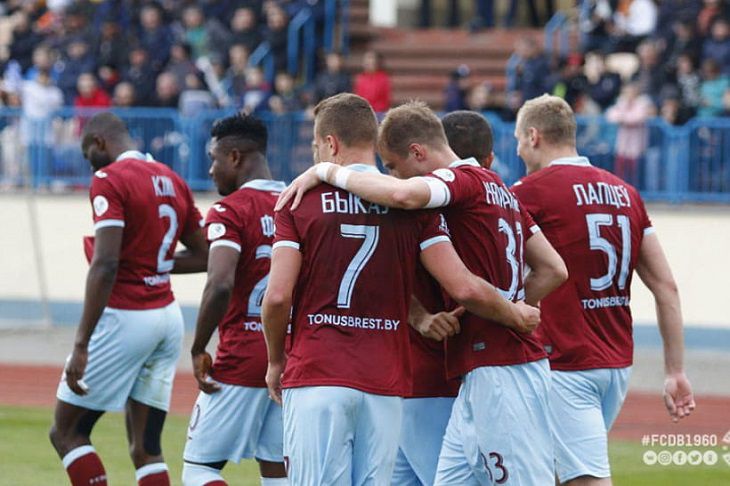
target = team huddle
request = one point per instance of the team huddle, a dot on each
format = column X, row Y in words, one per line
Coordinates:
column 431, row 326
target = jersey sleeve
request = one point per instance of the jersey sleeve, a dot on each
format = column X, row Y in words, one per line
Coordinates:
column 222, row 228
column 286, row 231
column 451, row 187
column 433, row 230
column 646, row 224
column 528, row 222
column 107, row 200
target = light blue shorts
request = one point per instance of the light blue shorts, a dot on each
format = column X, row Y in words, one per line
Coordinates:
column 340, row 436
column 422, row 432
column 584, row 406
column 237, row 422
column 132, row 354
column 500, row 431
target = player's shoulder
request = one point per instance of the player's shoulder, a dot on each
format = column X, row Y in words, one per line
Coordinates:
column 261, row 189
column 458, row 169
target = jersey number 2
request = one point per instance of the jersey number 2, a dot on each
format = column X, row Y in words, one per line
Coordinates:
column 370, row 234
column 163, row 264
column 257, row 294
column 597, row 242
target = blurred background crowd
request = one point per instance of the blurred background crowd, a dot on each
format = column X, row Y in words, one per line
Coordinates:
column 630, row 63
column 171, row 54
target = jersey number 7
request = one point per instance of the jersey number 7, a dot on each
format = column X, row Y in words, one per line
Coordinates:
column 370, row 234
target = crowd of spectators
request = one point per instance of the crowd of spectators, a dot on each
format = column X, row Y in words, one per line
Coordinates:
column 182, row 54
column 671, row 57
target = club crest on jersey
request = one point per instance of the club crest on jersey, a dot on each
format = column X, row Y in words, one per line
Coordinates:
column 101, row 205
column 267, row 226
column 447, row 175
column 216, row 230
column 101, row 174
column 219, row 208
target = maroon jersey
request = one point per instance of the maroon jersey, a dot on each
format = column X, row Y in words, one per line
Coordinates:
column 155, row 207
column 488, row 230
column 428, row 357
column 244, row 221
column 350, row 307
column 596, row 222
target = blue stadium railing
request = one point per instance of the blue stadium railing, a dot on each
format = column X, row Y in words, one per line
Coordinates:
column 680, row 164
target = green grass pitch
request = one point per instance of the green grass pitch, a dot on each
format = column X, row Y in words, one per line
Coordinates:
column 26, row 456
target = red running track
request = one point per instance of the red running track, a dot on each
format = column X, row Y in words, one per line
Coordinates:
column 643, row 413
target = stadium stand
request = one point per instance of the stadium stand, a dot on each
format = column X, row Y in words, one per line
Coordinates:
column 169, row 66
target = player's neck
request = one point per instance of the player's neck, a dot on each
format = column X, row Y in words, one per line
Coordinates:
column 260, row 171
column 443, row 158
column 115, row 150
column 354, row 155
column 555, row 153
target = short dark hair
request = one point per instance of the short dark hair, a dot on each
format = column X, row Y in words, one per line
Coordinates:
column 348, row 117
column 469, row 134
column 241, row 129
column 105, row 125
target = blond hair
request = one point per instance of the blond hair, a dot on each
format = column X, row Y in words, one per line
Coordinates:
column 348, row 117
column 551, row 116
column 412, row 122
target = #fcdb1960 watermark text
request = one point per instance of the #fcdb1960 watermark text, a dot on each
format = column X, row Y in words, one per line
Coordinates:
column 682, row 456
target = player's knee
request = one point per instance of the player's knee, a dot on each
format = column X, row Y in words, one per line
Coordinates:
column 201, row 474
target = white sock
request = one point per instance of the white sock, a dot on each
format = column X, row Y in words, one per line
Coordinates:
column 146, row 470
column 197, row 474
column 274, row 481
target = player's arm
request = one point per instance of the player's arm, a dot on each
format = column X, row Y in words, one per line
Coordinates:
column 222, row 263
column 413, row 193
column 474, row 293
column 194, row 258
column 99, row 283
column 654, row 271
column 437, row 326
column 275, row 311
column 547, row 268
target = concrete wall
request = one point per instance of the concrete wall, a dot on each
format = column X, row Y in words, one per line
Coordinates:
column 696, row 240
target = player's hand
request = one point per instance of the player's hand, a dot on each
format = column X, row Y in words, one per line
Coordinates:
column 202, row 362
column 273, row 380
column 75, row 368
column 441, row 325
column 298, row 188
column 678, row 396
column 529, row 317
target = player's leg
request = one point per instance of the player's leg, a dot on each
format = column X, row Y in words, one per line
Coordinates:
column 403, row 473
column 512, row 421
column 149, row 399
column 116, row 351
column 71, row 437
column 270, row 447
column 422, row 433
column 319, row 429
column 579, row 429
column 459, row 462
column 612, row 395
column 203, row 474
column 615, row 394
column 376, row 439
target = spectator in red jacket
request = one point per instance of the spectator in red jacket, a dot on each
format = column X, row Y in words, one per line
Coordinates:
column 374, row 83
column 90, row 94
